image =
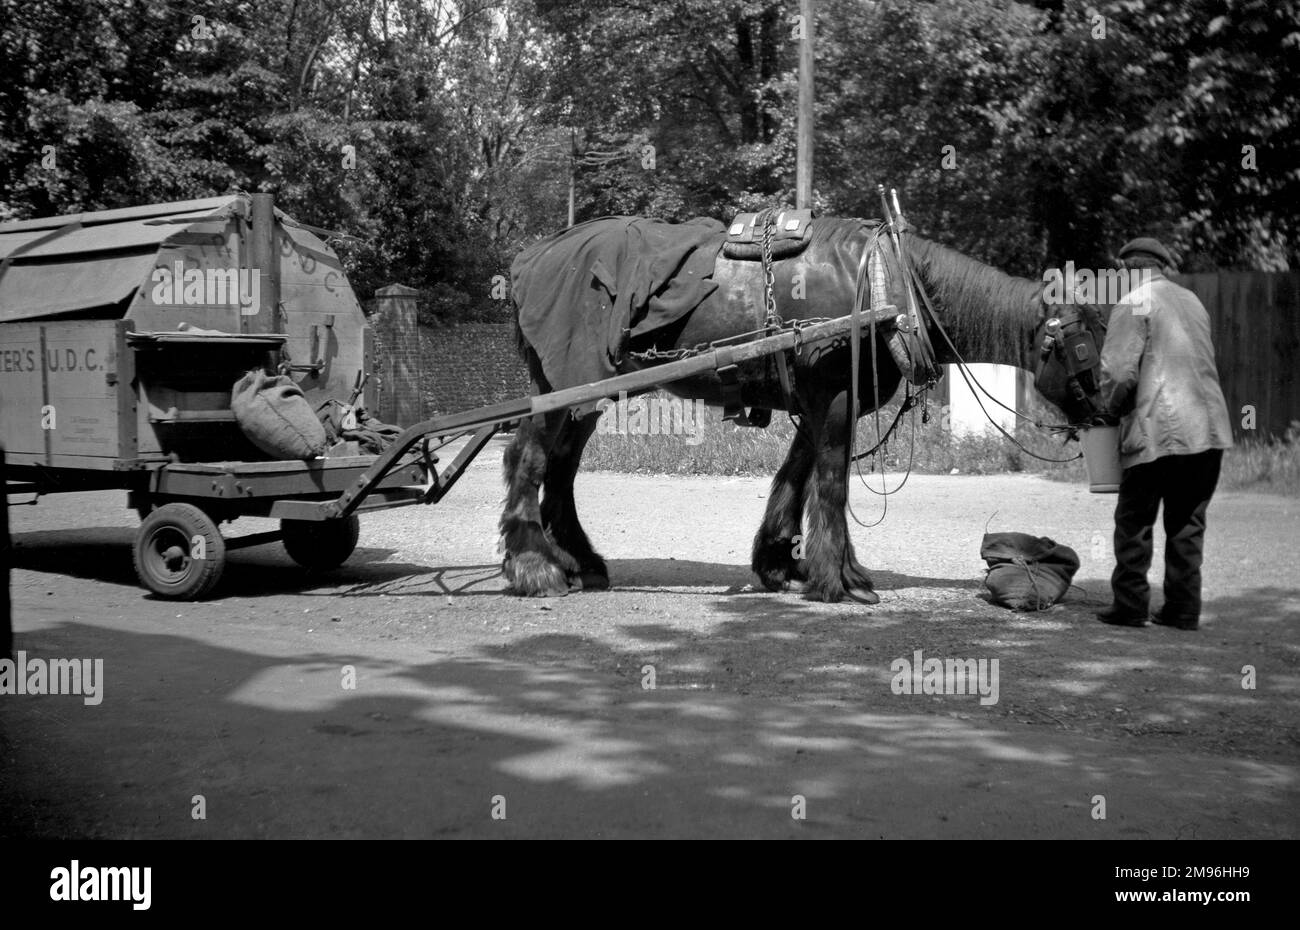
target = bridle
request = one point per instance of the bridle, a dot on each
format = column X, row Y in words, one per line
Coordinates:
column 913, row 337
column 1067, row 339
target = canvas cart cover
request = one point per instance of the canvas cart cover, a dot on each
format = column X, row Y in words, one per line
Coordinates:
column 58, row 266
column 170, row 267
column 580, row 292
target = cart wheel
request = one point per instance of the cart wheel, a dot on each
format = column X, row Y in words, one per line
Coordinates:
column 179, row 552
column 321, row 544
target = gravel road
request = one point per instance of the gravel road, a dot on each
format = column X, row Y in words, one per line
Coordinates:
column 474, row 713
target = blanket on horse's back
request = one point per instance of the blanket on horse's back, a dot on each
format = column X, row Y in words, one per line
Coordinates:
column 582, row 292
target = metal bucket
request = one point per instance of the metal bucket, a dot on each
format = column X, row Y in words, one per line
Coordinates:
column 1101, row 455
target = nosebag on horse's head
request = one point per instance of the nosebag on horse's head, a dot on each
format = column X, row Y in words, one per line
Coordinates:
column 603, row 305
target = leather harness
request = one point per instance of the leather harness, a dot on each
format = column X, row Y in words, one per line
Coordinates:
column 909, row 342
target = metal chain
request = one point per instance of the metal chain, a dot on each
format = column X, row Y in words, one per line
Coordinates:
column 769, row 276
column 771, row 323
column 795, row 326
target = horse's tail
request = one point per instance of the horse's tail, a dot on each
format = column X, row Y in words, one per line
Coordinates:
column 522, row 346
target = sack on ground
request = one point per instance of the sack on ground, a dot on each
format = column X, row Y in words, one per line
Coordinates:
column 276, row 416
column 1027, row 572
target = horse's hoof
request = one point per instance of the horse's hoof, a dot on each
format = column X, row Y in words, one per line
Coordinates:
column 593, row 581
column 862, row 595
column 795, row 586
column 834, row 593
column 531, row 575
column 777, row 578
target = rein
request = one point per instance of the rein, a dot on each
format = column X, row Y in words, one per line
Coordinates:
column 963, row 369
column 920, row 318
column 863, row 292
column 914, row 352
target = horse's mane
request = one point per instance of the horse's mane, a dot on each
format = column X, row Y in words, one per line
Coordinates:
column 986, row 311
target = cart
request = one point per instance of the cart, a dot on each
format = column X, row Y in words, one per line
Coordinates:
column 112, row 377
column 122, row 333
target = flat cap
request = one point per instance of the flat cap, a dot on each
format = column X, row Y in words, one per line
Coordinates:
column 1148, row 246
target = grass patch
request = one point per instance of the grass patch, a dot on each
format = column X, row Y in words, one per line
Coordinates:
column 1271, row 465
column 715, row 447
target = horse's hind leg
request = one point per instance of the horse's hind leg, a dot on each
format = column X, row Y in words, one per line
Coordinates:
column 833, row 571
column 533, row 564
column 559, row 511
column 775, row 546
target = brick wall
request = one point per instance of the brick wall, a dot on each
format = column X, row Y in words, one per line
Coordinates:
column 398, row 367
column 471, row 365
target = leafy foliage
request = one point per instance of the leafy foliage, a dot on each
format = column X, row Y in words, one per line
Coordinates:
column 444, row 134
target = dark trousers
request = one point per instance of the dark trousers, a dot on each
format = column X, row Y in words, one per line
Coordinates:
column 1184, row 484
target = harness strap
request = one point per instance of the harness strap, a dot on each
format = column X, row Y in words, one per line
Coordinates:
column 969, row 378
column 918, row 363
column 861, row 291
column 733, row 404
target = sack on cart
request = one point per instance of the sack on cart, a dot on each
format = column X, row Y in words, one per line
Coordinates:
column 276, row 417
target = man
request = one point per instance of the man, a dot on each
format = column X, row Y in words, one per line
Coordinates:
column 1159, row 377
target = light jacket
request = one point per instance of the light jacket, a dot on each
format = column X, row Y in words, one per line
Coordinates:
column 1158, row 374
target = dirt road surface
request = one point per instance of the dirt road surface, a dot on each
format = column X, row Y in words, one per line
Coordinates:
column 478, row 714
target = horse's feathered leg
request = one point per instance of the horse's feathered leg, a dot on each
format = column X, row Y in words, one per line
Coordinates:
column 833, row 571
column 778, row 543
column 533, row 564
column 560, row 512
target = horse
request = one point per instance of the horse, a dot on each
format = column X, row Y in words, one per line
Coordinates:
column 985, row 315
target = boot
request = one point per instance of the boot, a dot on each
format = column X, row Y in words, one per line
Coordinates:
column 1116, row 617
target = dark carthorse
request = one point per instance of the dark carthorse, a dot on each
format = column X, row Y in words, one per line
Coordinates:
column 618, row 294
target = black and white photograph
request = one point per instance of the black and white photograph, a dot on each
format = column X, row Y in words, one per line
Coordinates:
column 651, row 420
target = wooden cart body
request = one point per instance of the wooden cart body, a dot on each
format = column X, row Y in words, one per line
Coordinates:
column 80, row 392
column 122, row 334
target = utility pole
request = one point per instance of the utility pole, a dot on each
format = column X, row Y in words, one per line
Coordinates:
column 573, row 170
column 804, row 158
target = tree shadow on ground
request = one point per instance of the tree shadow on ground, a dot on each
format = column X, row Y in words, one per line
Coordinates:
column 770, row 699
column 104, row 554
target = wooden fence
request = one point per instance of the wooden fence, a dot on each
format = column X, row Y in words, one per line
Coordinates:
column 1256, row 320
column 1256, row 317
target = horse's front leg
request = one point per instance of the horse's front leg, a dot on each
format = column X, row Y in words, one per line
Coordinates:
column 533, row 564
column 776, row 557
column 833, row 571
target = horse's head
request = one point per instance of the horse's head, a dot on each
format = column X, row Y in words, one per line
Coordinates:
column 995, row 317
column 1067, row 356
